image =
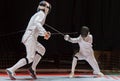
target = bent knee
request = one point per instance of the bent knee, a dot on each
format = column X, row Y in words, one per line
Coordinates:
column 30, row 59
column 42, row 51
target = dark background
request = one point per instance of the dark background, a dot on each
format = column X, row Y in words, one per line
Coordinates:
column 101, row 16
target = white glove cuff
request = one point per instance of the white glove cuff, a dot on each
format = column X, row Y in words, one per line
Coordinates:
column 66, row 37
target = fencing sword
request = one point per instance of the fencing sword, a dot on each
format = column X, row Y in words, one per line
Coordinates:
column 58, row 32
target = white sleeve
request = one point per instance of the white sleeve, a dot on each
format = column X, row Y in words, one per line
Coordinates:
column 42, row 31
column 39, row 18
column 74, row 40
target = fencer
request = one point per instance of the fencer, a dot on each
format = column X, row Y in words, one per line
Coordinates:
column 34, row 49
column 86, row 52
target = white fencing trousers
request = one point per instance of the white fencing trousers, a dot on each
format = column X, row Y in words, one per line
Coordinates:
column 31, row 47
column 91, row 60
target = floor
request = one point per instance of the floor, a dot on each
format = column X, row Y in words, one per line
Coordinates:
column 61, row 77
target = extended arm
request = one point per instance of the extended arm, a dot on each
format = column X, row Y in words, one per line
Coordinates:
column 72, row 40
column 42, row 31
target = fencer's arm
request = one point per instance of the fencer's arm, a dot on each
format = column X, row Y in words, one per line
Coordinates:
column 72, row 40
column 38, row 19
column 42, row 30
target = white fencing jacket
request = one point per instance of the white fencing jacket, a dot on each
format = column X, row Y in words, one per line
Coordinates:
column 35, row 26
column 85, row 45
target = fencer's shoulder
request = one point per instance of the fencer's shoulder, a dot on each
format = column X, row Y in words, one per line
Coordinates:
column 38, row 15
column 40, row 12
column 90, row 35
